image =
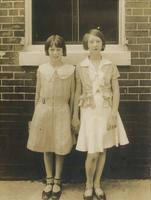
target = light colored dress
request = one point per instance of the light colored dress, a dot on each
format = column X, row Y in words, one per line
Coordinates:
column 50, row 129
column 95, row 103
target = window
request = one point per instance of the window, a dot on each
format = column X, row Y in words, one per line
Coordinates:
column 72, row 18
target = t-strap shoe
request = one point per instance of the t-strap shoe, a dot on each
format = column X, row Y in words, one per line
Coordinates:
column 47, row 194
column 98, row 195
column 56, row 195
column 88, row 196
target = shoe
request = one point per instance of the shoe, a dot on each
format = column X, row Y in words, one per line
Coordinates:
column 56, row 195
column 100, row 196
column 89, row 197
column 47, row 195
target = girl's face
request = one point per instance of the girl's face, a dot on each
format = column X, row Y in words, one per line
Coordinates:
column 94, row 44
column 55, row 53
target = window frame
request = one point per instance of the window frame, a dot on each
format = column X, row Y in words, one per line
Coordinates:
column 28, row 27
column 33, row 54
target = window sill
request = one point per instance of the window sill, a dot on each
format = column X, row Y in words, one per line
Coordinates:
column 34, row 55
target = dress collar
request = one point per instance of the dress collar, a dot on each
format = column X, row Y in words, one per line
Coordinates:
column 86, row 62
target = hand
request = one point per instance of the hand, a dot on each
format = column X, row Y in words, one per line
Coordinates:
column 75, row 123
column 112, row 122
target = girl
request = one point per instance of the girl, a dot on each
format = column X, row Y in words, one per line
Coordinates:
column 50, row 130
column 101, row 126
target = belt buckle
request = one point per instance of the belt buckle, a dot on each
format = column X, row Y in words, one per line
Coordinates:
column 43, row 100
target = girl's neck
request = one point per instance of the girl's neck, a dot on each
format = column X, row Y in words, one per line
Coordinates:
column 56, row 64
column 95, row 57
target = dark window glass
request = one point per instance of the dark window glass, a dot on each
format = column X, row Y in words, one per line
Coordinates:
column 99, row 13
column 51, row 17
column 72, row 18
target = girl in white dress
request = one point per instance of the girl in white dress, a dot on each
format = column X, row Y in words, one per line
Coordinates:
column 50, row 130
column 97, row 94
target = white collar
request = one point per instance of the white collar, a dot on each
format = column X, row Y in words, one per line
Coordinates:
column 63, row 72
column 86, row 62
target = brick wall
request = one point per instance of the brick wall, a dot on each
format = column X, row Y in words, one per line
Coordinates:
column 17, row 88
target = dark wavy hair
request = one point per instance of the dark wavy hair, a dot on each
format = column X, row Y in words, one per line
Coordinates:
column 94, row 32
column 57, row 41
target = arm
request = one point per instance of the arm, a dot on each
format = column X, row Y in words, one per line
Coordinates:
column 116, row 97
column 75, row 120
column 72, row 93
column 38, row 85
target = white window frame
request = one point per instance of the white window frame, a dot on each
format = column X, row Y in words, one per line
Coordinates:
column 30, row 48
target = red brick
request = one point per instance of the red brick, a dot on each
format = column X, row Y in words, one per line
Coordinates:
column 129, row 97
column 18, row 20
column 134, row 54
column 22, row 12
column 139, row 90
column 145, row 82
column 6, row 5
column 18, row 4
column 10, row 96
column 136, row 19
column 6, row 33
column 6, row 20
column 7, row 61
column 11, row 40
column 130, row 26
column 132, row 40
column 137, row 4
column 128, row 11
column 143, row 40
column 144, row 25
column 145, row 97
column 30, row 82
column 147, row 11
column 6, row 89
column 13, row 12
column 6, row 47
column 145, row 68
column 123, row 90
column 13, row 82
column 128, row 82
column 12, row 68
column 25, row 89
column 139, row 76
column 145, row 54
column 137, row 33
column 136, row 47
column 19, row 33
column 3, row 12
column 24, row 75
column 137, row 11
column 6, row 75
column 13, row 26
column 29, row 96
column 148, row 61
column 138, row 61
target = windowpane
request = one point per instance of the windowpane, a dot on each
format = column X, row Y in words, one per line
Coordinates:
column 50, row 17
column 99, row 13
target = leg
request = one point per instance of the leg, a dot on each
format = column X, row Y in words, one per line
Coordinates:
column 99, row 169
column 48, row 162
column 90, row 168
column 57, row 188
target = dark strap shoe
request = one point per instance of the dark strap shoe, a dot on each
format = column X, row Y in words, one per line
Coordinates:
column 56, row 195
column 47, row 195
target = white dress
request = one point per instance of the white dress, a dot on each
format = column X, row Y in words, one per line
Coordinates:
column 93, row 134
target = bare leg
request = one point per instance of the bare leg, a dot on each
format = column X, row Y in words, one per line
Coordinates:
column 99, row 170
column 58, row 171
column 48, row 162
column 90, row 168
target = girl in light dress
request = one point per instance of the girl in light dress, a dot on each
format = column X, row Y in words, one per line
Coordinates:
column 97, row 94
column 50, row 130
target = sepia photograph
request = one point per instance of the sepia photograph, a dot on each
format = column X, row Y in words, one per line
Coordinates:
column 75, row 100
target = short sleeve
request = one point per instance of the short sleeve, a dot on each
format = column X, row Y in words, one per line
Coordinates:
column 115, row 72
